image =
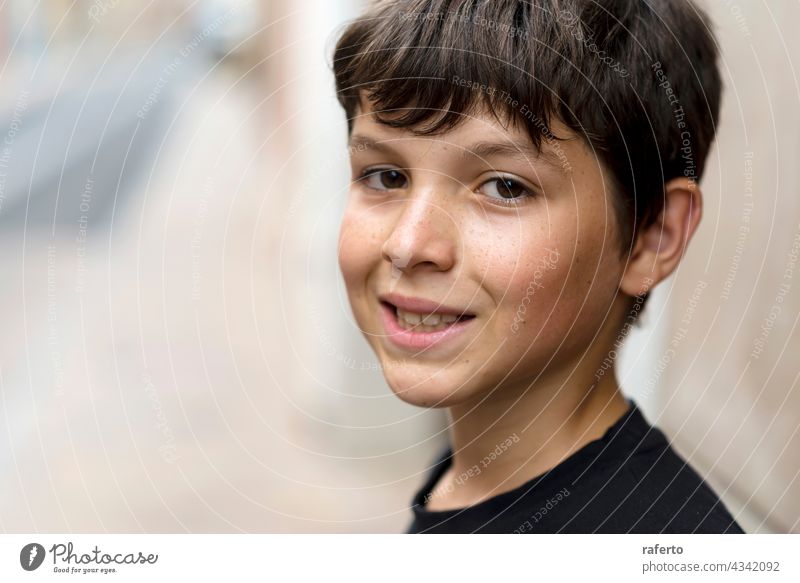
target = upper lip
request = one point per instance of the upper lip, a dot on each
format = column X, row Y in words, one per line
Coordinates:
column 421, row 305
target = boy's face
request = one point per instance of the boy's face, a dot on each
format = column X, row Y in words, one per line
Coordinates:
column 520, row 246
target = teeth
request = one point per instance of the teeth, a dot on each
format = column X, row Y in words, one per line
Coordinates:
column 409, row 317
column 424, row 322
column 432, row 319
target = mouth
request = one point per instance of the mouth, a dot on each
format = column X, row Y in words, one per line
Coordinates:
column 421, row 322
column 418, row 324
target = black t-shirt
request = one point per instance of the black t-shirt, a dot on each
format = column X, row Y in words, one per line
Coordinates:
column 628, row 481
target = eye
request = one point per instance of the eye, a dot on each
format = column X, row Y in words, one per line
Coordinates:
column 383, row 178
column 506, row 190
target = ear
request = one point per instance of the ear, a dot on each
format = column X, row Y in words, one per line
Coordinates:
column 659, row 247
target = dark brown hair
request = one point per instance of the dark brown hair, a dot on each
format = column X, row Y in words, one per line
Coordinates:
column 636, row 79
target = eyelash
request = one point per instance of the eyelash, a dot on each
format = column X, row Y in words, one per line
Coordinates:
column 376, row 172
column 506, row 202
column 510, row 202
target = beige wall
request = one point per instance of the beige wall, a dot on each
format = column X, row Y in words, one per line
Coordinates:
column 729, row 392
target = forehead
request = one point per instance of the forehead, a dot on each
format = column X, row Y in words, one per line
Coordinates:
column 479, row 133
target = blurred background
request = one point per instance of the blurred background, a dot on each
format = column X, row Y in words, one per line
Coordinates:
column 178, row 353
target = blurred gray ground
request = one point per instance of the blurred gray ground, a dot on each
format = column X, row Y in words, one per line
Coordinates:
column 149, row 374
column 86, row 139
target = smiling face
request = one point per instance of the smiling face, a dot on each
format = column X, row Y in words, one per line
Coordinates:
column 474, row 263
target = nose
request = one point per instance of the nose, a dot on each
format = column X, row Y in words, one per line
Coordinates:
column 424, row 236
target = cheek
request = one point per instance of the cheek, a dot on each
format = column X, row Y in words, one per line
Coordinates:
column 524, row 267
column 543, row 276
column 355, row 261
column 348, row 252
column 359, row 247
column 538, row 282
column 577, row 290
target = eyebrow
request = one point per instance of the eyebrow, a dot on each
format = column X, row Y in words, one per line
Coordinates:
column 525, row 152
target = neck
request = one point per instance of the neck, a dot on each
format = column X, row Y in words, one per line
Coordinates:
column 506, row 440
column 519, row 431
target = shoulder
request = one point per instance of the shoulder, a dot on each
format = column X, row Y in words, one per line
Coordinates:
column 629, row 481
column 644, row 486
column 667, row 495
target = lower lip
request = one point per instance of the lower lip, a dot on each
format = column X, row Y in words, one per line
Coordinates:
column 413, row 339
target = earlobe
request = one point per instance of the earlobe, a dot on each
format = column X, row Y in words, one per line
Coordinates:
column 660, row 246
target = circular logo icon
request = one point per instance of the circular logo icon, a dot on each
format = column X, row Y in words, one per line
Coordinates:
column 31, row 556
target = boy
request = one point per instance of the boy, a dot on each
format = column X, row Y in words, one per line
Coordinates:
column 524, row 171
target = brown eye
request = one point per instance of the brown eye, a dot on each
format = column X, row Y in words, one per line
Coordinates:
column 505, row 189
column 384, row 179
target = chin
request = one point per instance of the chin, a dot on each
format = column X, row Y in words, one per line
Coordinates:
column 422, row 387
